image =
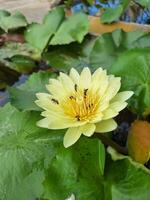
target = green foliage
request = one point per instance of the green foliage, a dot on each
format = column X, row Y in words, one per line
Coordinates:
column 111, row 14
column 91, row 2
column 22, row 64
column 101, row 149
column 19, row 57
column 95, row 52
column 112, row 51
column 126, row 179
column 57, row 30
column 7, row 76
column 24, row 96
column 33, row 162
column 73, row 55
column 144, row 2
column 114, row 13
column 10, row 49
column 72, row 29
column 38, row 35
column 11, row 21
column 134, row 68
column 80, row 175
column 25, row 151
column 80, row 172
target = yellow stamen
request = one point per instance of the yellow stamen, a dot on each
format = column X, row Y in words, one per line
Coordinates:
column 82, row 105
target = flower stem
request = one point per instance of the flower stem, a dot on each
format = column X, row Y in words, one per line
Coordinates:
column 108, row 142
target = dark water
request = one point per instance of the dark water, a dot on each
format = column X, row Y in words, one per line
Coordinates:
column 124, row 121
column 4, row 95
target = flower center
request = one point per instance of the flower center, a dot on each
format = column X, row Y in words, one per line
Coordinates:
column 81, row 104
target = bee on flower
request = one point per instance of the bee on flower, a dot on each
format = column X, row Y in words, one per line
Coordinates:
column 82, row 103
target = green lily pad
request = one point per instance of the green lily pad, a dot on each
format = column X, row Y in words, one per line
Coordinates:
column 24, row 96
column 25, row 151
column 11, row 21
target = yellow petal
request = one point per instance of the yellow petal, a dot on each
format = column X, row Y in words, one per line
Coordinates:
column 48, row 106
column 97, row 73
column 42, row 96
column 67, row 82
column 88, row 129
column 122, row 96
column 99, row 81
column 54, row 87
column 112, row 89
column 44, row 100
column 55, row 122
column 106, row 126
column 60, row 119
column 98, row 117
column 103, row 106
column 74, row 75
column 85, row 78
column 71, row 136
column 46, row 103
column 118, row 106
column 113, row 109
column 43, row 123
column 109, row 113
column 74, row 133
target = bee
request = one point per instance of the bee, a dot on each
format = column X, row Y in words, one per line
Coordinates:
column 55, row 101
column 85, row 93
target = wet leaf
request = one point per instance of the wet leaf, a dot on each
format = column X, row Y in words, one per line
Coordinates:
column 75, row 170
column 25, row 151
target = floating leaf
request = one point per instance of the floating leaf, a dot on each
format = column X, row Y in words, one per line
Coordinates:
column 102, row 51
column 29, row 188
column 38, row 35
column 126, row 179
column 74, row 28
column 11, row 49
column 75, row 170
column 24, row 96
column 133, row 67
column 10, row 21
column 72, row 55
column 23, row 64
column 25, row 149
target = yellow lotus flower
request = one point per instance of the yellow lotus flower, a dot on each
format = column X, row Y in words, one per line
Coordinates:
column 82, row 103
